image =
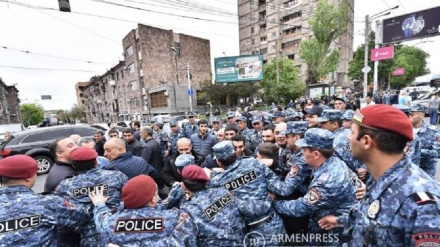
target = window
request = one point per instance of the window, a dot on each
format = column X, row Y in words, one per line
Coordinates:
column 262, row 28
column 84, row 131
column 252, row 29
column 291, row 3
column 263, row 39
column 292, row 30
column 135, row 102
column 129, row 51
column 55, row 134
column 130, row 68
column 134, row 85
column 253, row 42
column 292, row 16
column 158, row 100
column 272, row 21
column 262, row 16
column 274, row 34
column 37, row 137
column 117, row 76
column 289, row 44
column 263, row 51
column 122, row 74
column 291, row 57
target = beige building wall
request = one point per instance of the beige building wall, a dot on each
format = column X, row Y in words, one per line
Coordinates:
column 276, row 27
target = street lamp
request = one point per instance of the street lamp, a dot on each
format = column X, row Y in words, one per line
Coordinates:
column 368, row 21
column 176, row 51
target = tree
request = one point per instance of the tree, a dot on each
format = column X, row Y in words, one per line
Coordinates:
column 77, row 112
column 328, row 23
column 408, row 57
column 32, row 114
column 414, row 61
column 289, row 85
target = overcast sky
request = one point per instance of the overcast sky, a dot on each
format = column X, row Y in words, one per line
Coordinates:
column 63, row 44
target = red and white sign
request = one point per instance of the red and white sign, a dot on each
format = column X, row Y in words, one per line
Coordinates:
column 398, row 71
column 383, row 53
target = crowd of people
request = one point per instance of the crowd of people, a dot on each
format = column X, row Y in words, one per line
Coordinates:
column 316, row 173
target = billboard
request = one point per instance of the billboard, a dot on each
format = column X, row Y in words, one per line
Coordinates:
column 239, row 69
column 415, row 25
column 383, row 53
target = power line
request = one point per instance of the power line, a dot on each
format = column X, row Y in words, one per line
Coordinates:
column 160, row 12
column 401, row 5
column 50, row 69
column 105, row 17
column 47, row 55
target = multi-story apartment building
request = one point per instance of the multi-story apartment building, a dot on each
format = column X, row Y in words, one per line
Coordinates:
column 152, row 79
column 9, row 104
column 275, row 28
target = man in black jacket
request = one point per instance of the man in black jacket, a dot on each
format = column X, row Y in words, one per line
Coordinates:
column 131, row 144
column 170, row 176
column 151, row 152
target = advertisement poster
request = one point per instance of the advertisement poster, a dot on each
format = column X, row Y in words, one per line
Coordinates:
column 238, row 69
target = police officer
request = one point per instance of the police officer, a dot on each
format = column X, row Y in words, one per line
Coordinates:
column 429, row 137
column 217, row 214
column 173, row 136
column 141, row 223
column 347, row 118
column 250, row 179
column 162, row 138
column 332, row 120
column 27, row 218
column 402, row 205
column 216, row 125
column 78, row 187
column 190, row 128
column 332, row 191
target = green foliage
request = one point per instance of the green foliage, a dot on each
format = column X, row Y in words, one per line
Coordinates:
column 32, row 114
column 216, row 93
column 77, row 112
column 328, row 23
column 289, row 85
column 413, row 59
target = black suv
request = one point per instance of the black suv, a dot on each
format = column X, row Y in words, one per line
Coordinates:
column 36, row 143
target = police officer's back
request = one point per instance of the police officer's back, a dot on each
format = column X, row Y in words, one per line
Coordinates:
column 77, row 189
column 27, row 218
column 140, row 223
column 216, row 212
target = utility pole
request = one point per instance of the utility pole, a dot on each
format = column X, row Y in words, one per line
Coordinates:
column 176, row 52
column 278, row 50
column 188, row 74
column 367, row 25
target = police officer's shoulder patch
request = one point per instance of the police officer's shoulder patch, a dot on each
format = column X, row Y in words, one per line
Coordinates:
column 313, row 196
column 426, row 239
column 422, row 198
column 294, row 169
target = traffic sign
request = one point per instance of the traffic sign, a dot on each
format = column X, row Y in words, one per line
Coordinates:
column 190, row 92
column 366, row 69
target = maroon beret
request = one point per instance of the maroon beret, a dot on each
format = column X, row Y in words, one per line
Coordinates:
column 83, row 154
column 18, row 166
column 138, row 191
column 385, row 117
column 194, row 172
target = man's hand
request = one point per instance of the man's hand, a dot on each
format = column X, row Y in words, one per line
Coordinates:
column 97, row 195
column 328, row 222
column 175, row 184
column 361, row 190
column 272, row 195
column 362, row 173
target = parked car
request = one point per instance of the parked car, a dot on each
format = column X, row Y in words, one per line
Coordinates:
column 36, row 143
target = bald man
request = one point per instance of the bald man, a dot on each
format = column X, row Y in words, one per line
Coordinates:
column 170, row 175
column 130, row 165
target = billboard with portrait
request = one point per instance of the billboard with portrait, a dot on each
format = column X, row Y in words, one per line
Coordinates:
column 239, row 69
column 416, row 25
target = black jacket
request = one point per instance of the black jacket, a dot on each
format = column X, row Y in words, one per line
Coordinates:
column 169, row 173
column 152, row 153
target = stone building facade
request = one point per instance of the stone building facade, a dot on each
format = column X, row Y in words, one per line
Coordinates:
column 151, row 80
column 275, row 28
column 9, row 104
